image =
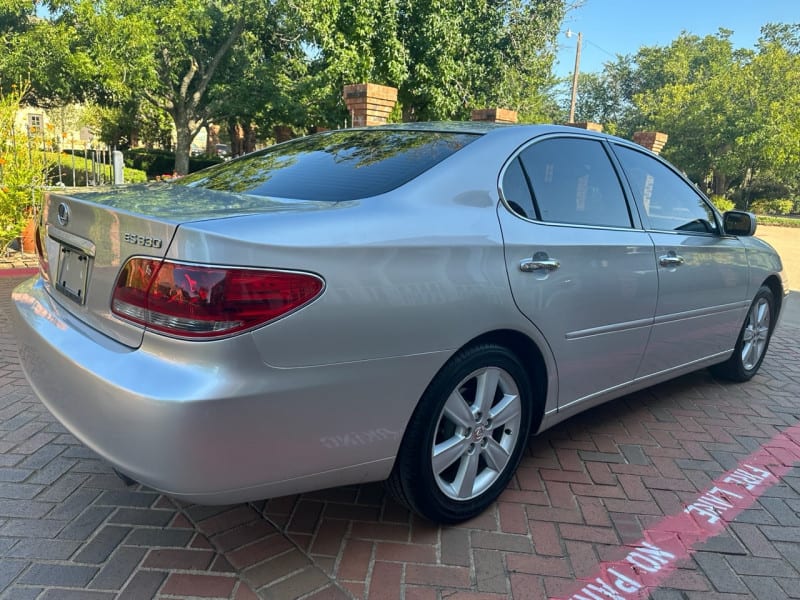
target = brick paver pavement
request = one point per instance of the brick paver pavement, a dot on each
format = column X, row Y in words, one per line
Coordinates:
column 70, row 529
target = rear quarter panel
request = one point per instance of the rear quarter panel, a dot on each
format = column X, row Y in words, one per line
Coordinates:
column 417, row 270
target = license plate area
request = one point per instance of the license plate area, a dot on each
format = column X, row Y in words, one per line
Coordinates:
column 73, row 273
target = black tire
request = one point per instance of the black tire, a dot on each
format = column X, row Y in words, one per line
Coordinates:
column 753, row 341
column 484, row 454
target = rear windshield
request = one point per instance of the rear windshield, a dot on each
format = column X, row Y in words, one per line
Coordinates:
column 334, row 166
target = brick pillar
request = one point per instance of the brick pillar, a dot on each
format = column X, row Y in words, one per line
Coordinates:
column 494, row 115
column 652, row 140
column 591, row 126
column 369, row 103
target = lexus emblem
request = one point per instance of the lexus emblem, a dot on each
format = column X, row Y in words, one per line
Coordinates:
column 63, row 214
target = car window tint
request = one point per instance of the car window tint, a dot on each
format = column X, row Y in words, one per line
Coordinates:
column 671, row 204
column 574, row 182
column 335, row 166
column 517, row 192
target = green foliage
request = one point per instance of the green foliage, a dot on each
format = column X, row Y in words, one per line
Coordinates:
column 278, row 62
column 446, row 57
column 50, row 54
column 722, row 203
column 780, row 221
column 158, row 163
column 732, row 115
column 782, row 206
column 478, row 55
column 104, row 172
column 22, row 169
column 765, row 186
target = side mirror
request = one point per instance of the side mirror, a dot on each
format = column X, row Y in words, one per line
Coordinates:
column 739, row 222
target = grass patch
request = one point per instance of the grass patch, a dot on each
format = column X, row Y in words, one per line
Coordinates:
column 780, row 221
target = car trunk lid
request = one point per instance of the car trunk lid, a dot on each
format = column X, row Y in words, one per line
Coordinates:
column 83, row 245
column 87, row 237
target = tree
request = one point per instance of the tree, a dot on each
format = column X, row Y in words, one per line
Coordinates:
column 772, row 79
column 265, row 62
column 258, row 88
column 169, row 53
column 464, row 56
column 46, row 55
column 686, row 90
column 730, row 113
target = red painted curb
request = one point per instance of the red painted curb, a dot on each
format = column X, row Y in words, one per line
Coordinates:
column 24, row 272
column 674, row 538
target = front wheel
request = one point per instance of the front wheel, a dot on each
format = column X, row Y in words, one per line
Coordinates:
column 466, row 437
column 753, row 341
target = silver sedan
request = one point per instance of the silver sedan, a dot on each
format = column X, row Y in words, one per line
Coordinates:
column 405, row 303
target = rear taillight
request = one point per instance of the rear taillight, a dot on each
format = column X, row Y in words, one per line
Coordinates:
column 201, row 302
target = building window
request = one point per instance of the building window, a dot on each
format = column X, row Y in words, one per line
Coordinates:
column 34, row 122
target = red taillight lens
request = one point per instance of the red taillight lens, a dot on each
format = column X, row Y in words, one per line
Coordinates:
column 201, row 302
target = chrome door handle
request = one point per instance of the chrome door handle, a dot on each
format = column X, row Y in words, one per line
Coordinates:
column 531, row 265
column 670, row 259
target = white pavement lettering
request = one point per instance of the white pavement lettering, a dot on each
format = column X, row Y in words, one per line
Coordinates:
column 650, row 558
column 748, row 476
column 713, row 503
column 649, row 563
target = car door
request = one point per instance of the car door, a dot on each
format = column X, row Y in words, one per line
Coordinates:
column 579, row 268
column 703, row 274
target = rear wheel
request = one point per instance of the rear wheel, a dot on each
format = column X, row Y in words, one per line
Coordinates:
column 466, row 437
column 751, row 347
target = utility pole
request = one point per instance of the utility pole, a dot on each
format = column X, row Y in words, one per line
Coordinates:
column 575, row 75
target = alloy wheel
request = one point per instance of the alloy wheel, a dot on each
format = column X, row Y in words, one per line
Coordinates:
column 476, row 433
column 756, row 333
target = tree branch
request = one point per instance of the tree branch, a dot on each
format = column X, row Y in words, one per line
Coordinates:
column 236, row 31
column 187, row 79
column 161, row 103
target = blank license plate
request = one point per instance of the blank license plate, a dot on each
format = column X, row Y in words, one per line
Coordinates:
column 73, row 271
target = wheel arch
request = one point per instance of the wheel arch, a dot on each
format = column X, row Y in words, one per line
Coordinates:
column 530, row 355
column 775, row 285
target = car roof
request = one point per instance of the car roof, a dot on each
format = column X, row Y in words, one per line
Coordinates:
column 510, row 130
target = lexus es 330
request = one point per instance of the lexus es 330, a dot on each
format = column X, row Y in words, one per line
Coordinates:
column 405, row 303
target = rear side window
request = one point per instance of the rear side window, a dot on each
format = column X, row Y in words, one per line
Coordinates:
column 669, row 202
column 517, row 191
column 335, row 166
column 573, row 181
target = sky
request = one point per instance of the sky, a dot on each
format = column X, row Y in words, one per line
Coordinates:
column 611, row 27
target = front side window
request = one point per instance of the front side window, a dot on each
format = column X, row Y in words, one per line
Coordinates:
column 574, row 182
column 336, row 166
column 669, row 202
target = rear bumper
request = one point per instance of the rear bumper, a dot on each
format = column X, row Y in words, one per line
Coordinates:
column 209, row 421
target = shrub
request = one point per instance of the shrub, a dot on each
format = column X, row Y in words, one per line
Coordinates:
column 22, row 169
column 84, row 167
column 722, row 203
column 157, row 163
column 782, row 206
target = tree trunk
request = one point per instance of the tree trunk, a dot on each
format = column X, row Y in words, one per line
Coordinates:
column 249, row 138
column 236, row 133
column 183, row 145
column 212, row 139
column 719, row 183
